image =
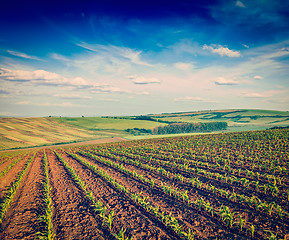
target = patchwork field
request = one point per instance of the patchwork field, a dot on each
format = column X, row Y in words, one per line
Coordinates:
column 29, row 132
column 242, row 118
column 217, row 186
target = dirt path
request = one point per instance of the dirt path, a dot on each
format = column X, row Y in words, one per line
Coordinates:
column 72, row 218
column 21, row 220
column 127, row 216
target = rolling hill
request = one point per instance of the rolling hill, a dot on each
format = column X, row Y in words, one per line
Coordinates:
column 30, row 132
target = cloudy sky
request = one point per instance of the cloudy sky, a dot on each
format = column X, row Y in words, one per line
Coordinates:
column 95, row 58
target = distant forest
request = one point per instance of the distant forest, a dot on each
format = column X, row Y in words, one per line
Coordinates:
column 190, row 128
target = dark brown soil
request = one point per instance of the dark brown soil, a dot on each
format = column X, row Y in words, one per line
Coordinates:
column 11, row 175
column 126, row 216
column 72, row 218
column 21, row 220
column 205, row 228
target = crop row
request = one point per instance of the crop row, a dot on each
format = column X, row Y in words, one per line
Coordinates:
column 12, row 189
column 102, row 211
column 263, row 150
column 11, row 165
column 48, row 205
column 220, row 165
column 165, row 218
column 252, row 201
column 272, row 187
column 200, row 204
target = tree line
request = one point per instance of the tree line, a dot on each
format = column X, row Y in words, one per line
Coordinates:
column 190, row 128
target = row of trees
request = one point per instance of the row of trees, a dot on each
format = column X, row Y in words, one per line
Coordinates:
column 190, row 127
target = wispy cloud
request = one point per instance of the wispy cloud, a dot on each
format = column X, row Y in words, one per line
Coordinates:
column 258, row 77
column 48, row 104
column 184, row 66
column 109, row 90
column 256, row 95
column 142, row 93
column 43, row 77
column 240, row 4
column 194, row 99
column 225, row 81
column 128, row 54
column 109, row 99
column 222, row 51
column 143, row 80
column 72, row 96
column 23, row 55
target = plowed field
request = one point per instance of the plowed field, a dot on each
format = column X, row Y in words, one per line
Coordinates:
column 222, row 186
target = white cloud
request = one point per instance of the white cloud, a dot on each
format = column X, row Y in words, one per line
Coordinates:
column 255, row 95
column 24, row 103
column 23, row 55
column 222, row 51
column 48, row 104
column 109, row 100
column 72, row 96
column 109, row 90
column 134, row 56
column 66, row 104
column 196, row 99
column 143, row 80
column 225, row 81
column 143, row 93
column 184, row 66
column 59, row 57
column 240, row 4
column 258, row 77
column 42, row 77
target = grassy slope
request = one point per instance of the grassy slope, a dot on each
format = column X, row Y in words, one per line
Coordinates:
column 108, row 124
column 25, row 132
column 237, row 119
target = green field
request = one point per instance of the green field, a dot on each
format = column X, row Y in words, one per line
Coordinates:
column 108, row 124
column 30, row 132
column 238, row 120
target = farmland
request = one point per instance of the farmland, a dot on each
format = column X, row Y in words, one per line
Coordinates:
column 36, row 131
column 217, row 186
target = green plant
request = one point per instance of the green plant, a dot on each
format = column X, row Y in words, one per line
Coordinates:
column 120, row 235
column 241, row 222
column 109, row 218
column 272, row 235
column 252, row 229
column 47, row 218
column 10, row 192
column 190, row 235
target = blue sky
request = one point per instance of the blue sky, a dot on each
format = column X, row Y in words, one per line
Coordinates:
column 95, row 58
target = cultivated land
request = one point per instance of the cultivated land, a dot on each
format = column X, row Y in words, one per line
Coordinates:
column 215, row 186
column 30, row 132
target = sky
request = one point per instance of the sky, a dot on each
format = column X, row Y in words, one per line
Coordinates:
column 115, row 58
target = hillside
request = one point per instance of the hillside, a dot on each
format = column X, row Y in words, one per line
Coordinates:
column 243, row 119
column 29, row 132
